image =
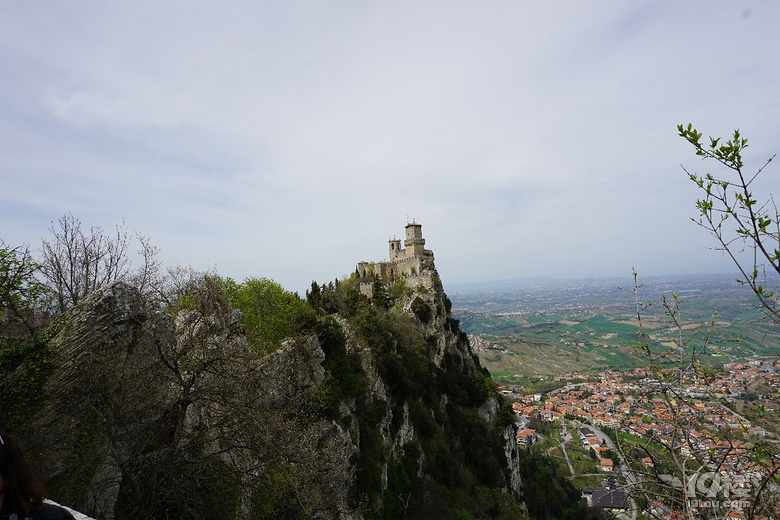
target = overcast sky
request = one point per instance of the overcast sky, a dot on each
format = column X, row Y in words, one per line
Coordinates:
column 290, row 140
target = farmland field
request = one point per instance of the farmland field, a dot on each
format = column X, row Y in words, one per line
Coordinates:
column 543, row 328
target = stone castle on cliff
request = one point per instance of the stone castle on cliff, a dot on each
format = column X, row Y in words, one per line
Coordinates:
column 412, row 263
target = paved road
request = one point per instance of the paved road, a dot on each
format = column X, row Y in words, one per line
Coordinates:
column 631, row 479
column 566, row 453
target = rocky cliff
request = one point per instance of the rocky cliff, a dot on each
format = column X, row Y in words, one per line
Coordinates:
column 370, row 408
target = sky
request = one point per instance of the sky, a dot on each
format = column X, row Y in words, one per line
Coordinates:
column 290, row 140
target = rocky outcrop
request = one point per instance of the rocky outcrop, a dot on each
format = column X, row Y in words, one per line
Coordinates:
column 141, row 399
column 103, row 350
column 448, row 350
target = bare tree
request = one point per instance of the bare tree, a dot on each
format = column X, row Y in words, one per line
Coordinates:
column 148, row 278
column 77, row 261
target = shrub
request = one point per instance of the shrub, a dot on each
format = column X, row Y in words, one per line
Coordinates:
column 270, row 312
column 21, row 397
column 421, row 310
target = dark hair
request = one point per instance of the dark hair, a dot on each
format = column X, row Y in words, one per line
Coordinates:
column 23, row 492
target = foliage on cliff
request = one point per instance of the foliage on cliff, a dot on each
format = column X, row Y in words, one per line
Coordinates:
column 455, row 463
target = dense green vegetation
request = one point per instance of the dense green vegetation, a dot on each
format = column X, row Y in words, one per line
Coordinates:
column 554, row 497
column 270, row 313
column 21, row 395
column 459, row 474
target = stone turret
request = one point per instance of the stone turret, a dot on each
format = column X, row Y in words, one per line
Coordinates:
column 396, row 251
column 414, row 242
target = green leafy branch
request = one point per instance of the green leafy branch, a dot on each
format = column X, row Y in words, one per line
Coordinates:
column 733, row 214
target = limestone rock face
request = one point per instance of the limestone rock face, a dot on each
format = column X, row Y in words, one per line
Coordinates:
column 445, row 340
column 104, row 349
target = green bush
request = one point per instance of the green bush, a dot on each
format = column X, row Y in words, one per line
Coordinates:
column 421, row 310
column 21, row 398
column 271, row 313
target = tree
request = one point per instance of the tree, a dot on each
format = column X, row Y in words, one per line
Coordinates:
column 730, row 211
column 676, row 459
column 76, row 261
column 739, row 219
column 20, row 291
column 696, row 470
column 379, row 295
column 271, row 313
column 148, row 277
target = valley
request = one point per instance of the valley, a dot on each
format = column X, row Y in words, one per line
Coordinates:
column 547, row 328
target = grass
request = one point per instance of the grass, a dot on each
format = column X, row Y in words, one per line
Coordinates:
column 630, row 438
column 500, row 374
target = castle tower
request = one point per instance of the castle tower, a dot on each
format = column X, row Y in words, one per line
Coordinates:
column 396, row 253
column 415, row 243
